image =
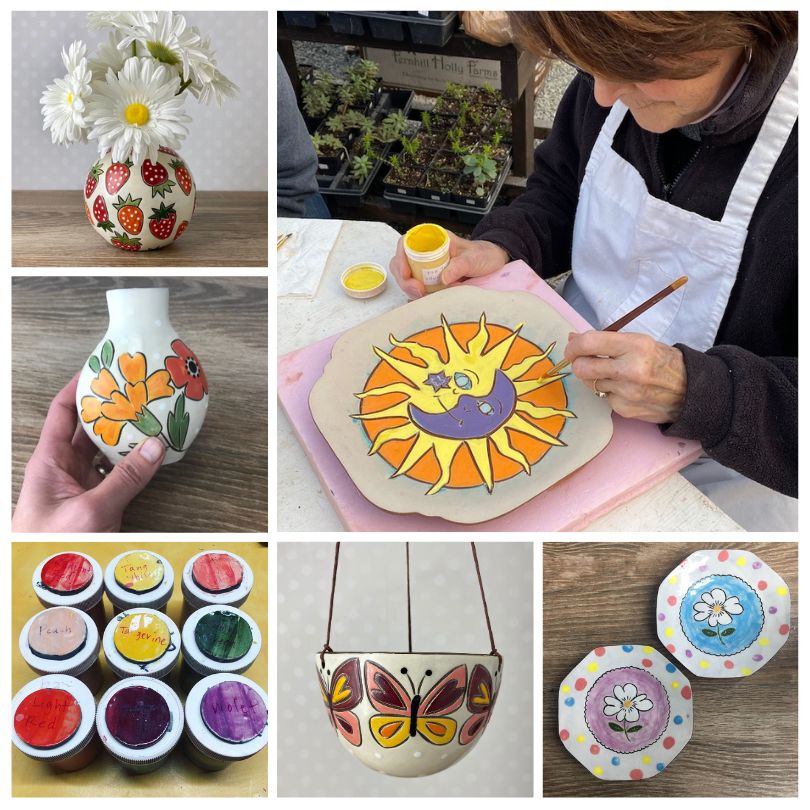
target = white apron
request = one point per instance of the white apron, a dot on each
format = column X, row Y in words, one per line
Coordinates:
column 627, row 245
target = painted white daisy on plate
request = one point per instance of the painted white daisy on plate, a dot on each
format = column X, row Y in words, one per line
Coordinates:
column 137, row 111
column 64, row 102
column 716, row 607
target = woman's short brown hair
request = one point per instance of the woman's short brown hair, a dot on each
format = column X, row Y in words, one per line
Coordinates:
column 647, row 45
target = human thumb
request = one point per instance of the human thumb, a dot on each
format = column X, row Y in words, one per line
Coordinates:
column 456, row 270
column 130, row 475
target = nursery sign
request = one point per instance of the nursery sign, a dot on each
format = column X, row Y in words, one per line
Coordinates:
column 428, row 71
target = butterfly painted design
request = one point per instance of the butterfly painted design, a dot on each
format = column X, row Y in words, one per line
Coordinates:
column 480, row 701
column 343, row 693
column 404, row 715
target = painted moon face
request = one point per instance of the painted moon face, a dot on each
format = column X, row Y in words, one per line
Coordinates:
column 472, row 417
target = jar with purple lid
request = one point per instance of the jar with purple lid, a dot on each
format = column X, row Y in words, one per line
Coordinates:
column 139, row 578
column 226, row 721
column 63, row 641
column 71, row 579
column 140, row 721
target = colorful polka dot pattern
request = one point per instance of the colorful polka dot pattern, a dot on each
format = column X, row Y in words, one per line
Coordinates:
column 771, row 591
column 579, row 739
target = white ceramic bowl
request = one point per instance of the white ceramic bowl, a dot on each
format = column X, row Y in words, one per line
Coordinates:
column 408, row 714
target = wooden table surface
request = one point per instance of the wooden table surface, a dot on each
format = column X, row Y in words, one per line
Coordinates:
column 229, row 229
column 104, row 776
column 745, row 738
column 221, row 484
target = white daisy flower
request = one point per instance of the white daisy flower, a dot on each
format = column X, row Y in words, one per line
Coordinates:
column 625, row 703
column 137, row 111
column 207, row 82
column 96, row 20
column 108, row 55
column 716, row 608
column 64, row 102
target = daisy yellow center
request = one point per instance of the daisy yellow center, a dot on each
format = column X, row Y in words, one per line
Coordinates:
column 70, row 98
column 628, row 704
column 717, row 609
column 137, row 114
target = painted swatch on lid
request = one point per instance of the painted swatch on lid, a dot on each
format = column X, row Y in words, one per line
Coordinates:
column 217, row 573
column 67, row 573
column 137, row 716
column 142, row 637
column 234, row 711
column 57, row 633
column 47, row 718
column 139, row 571
column 223, row 635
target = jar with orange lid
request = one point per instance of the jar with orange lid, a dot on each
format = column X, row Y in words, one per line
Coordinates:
column 139, row 578
column 141, row 642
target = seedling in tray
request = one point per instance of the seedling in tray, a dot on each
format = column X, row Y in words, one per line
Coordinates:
column 482, row 168
column 361, row 168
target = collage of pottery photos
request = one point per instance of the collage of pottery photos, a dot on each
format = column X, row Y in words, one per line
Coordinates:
column 446, row 499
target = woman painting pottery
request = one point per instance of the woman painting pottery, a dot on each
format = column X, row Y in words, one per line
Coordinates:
column 674, row 152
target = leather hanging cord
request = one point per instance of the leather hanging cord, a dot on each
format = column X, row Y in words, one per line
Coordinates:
column 494, row 649
column 408, row 581
column 326, row 647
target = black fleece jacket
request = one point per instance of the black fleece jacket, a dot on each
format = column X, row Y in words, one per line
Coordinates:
column 742, row 394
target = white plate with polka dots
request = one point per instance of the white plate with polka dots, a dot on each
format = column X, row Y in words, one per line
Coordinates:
column 723, row 613
column 625, row 712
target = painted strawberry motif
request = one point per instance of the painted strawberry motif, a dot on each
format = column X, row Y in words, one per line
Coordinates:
column 121, row 240
column 101, row 215
column 182, row 176
column 156, row 176
column 162, row 220
column 129, row 214
column 183, row 225
column 167, row 151
column 92, row 180
column 117, row 175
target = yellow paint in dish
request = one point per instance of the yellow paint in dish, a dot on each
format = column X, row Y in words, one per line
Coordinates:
column 142, row 637
column 139, row 571
column 363, row 277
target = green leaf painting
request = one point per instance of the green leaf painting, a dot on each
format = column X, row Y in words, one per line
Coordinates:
column 107, row 353
column 709, row 633
column 727, row 632
column 616, row 727
column 94, row 364
column 147, row 423
column 177, row 423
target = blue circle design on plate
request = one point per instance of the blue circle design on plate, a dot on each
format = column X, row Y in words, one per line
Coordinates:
column 615, row 761
column 677, row 719
column 660, row 767
column 744, row 628
column 670, row 667
column 627, row 647
column 569, row 701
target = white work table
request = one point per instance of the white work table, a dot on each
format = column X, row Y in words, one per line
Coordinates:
column 672, row 505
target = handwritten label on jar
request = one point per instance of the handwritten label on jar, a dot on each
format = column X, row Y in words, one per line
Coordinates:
column 142, row 637
column 66, row 573
column 234, row 711
column 139, row 571
column 47, row 718
column 57, row 633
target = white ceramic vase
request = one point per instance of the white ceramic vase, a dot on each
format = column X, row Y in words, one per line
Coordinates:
column 408, row 714
column 141, row 380
column 141, row 207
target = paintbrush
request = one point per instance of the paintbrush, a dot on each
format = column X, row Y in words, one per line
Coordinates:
column 631, row 316
column 280, row 240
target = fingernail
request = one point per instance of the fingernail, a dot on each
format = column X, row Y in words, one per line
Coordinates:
column 152, row 449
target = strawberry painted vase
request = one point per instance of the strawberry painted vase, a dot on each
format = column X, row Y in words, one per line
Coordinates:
column 141, row 380
column 140, row 207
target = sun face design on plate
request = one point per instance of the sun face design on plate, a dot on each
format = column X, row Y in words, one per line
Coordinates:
column 464, row 404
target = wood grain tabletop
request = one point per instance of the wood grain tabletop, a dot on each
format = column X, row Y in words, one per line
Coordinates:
column 229, row 229
column 745, row 737
column 221, row 484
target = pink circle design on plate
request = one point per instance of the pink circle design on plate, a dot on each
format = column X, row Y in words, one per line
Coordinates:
column 234, row 711
column 217, row 573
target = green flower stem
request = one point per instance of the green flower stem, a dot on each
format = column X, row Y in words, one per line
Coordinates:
column 624, row 729
column 183, row 86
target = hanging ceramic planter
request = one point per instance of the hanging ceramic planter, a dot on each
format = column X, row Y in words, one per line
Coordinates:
column 407, row 713
column 141, row 380
column 140, row 207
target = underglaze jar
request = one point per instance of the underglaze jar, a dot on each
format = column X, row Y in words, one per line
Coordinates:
column 71, row 579
column 54, row 722
column 215, row 577
column 63, row 641
column 408, row 714
column 141, row 207
column 139, row 722
column 226, row 721
column 139, row 578
column 141, row 380
column 217, row 639
column 141, row 642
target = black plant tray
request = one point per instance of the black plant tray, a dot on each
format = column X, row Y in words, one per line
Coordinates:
column 396, row 26
column 301, row 19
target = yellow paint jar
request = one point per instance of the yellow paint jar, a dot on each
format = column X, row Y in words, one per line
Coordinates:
column 141, row 642
column 364, row 280
column 427, row 247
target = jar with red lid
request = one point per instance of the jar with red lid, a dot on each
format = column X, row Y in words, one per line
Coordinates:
column 215, row 578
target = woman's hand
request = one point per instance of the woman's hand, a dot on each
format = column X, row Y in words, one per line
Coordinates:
column 62, row 490
column 643, row 379
column 467, row 260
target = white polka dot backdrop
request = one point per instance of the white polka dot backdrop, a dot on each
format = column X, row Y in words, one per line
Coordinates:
column 370, row 614
column 226, row 147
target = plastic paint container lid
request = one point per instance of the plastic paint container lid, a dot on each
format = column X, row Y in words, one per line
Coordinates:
column 142, row 641
column 69, row 579
column 216, row 578
column 139, row 578
column 53, row 718
column 60, row 641
column 139, row 720
column 226, row 717
column 220, row 639
column 364, row 280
